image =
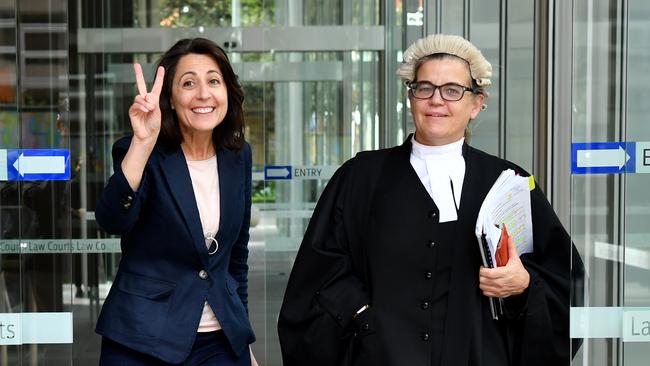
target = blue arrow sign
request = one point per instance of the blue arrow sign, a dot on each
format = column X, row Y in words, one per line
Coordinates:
column 277, row 172
column 32, row 164
column 603, row 157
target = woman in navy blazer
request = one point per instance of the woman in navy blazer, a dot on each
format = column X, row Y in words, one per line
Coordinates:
column 176, row 278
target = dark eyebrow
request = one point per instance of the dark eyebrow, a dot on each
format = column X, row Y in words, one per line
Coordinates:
column 195, row 74
column 449, row 83
column 185, row 73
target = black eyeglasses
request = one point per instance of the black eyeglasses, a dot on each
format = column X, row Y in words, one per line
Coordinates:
column 450, row 92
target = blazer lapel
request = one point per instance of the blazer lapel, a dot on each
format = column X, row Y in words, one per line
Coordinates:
column 231, row 181
column 174, row 168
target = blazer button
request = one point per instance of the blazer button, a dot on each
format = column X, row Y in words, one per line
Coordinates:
column 126, row 202
column 428, row 275
column 365, row 326
column 431, row 244
column 425, row 336
column 432, row 214
column 203, row 274
column 425, row 305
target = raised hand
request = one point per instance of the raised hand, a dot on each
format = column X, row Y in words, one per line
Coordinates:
column 145, row 120
column 145, row 111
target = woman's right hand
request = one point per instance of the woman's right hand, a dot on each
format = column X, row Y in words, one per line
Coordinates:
column 145, row 111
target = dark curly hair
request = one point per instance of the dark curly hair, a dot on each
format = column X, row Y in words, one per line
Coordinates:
column 230, row 132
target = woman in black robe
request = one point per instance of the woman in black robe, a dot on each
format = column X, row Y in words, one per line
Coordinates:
column 389, row 271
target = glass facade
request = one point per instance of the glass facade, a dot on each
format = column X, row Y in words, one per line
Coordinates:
column 320, row 86
column 610, row 211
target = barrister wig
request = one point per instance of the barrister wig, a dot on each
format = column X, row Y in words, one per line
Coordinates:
column 480, row 68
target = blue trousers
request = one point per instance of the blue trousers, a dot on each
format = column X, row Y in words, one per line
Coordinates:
column 210, row 349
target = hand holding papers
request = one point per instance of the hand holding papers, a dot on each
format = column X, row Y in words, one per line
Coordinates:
column 507, row 204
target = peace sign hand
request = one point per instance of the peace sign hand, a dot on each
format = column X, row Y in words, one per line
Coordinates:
column 145, row 111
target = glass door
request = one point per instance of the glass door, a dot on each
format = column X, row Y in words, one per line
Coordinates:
column 610, row 162
column 36, row 263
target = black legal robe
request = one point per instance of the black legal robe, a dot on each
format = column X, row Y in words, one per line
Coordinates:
column 374, row 239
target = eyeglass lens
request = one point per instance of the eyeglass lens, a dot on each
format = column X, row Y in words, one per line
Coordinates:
column 449, row 92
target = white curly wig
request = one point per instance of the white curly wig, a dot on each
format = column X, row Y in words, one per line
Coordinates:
column 480, row 69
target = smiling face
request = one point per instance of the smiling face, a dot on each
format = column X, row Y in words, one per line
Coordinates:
column 439, row 122
column 198, row 94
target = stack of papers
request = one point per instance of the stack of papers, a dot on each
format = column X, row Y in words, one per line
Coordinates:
column 507, row 202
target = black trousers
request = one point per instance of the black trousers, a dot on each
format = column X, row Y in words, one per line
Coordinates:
column 210, row 349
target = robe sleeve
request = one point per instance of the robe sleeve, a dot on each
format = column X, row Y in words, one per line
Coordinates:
column 323, row 293
column 540, row 316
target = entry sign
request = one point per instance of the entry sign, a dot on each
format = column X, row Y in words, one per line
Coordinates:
column 277, row 172
column 286, row 172
column 604, row 158
column 643, row 157
column 35, row 164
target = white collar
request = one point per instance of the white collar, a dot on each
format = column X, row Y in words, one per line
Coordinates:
column 436, row 166
column 432, row 152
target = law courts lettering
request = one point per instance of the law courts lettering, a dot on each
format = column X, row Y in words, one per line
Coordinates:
column 640, row 328
column 35, row 246
column 636, row 325
column 7, row 330
column 10, row 327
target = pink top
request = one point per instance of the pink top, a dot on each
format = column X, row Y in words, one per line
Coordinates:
column 205, row 182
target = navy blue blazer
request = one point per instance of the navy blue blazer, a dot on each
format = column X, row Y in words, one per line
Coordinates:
column 155, row 304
